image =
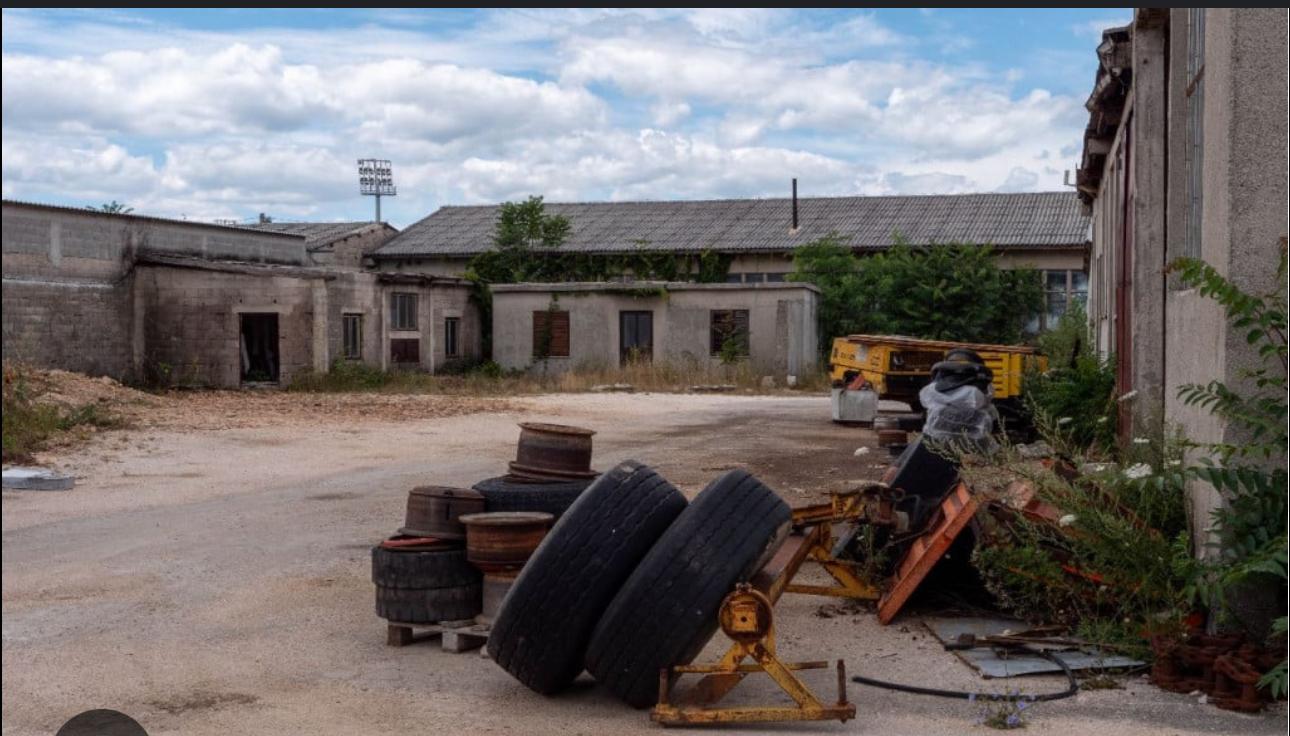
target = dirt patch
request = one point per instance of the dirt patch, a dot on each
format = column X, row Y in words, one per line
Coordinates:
column 251, row 409
column 202, row 701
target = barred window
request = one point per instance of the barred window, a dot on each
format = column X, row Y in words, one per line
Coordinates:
column 451, row 339
column 403, row 311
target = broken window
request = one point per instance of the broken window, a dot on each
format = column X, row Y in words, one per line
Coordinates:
column 729, row 326
column 451, row 340
column 1062, row 289
column 406, row 351
column 550, row 334
column 352, row 327
column 403, row 311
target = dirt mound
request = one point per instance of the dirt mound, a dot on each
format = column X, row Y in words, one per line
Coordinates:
column 74, row 390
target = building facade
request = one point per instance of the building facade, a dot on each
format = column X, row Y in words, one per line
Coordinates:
column 1185, row 155
column 1048, row 231
column 579, row 326
column 148, row 299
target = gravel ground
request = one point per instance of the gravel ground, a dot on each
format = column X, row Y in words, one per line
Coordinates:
column 214, row 581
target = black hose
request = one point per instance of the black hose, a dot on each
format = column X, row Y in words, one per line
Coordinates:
column 964, row 695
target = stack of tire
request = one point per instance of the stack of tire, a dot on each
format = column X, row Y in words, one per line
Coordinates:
column 421, row 574
column 552, row 467
column 630, row 580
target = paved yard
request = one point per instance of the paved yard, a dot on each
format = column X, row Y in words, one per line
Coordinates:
column 215, row 581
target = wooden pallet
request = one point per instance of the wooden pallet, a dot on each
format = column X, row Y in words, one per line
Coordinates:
column 454, row 636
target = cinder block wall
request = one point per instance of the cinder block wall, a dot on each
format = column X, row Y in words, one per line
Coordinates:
column 84, row 327
column 192, row 328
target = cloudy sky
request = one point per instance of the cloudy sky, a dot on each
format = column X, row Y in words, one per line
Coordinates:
column 225, row 114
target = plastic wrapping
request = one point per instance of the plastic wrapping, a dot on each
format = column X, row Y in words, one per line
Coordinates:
column 961, row 414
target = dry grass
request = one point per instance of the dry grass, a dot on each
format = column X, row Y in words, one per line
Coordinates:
column 653, row 377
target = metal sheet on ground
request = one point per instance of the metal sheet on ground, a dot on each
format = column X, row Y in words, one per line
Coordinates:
column 991, row 665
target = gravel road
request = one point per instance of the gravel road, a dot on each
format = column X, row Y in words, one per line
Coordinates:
column 215, row 581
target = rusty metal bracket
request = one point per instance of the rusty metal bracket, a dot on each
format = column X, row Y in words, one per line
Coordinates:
column 871, row 506
column 747, row 619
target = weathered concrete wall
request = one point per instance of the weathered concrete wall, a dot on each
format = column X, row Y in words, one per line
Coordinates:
column 348, row 253
column 76, row 326
column 192, row 322
column 354, row 293
column 1244, row 206
column 782, row 336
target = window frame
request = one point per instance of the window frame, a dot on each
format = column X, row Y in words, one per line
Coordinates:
column 716, row 329
column 452, row 337
column 397, row 299
column 345, row 320
column 561, row 315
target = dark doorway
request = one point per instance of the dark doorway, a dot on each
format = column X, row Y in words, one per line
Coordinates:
column 635, row 337
column 260, row 360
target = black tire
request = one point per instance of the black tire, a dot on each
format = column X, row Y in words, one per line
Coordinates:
column 540, row 634
column 555, row 498
column 667, row 610
column 429, row 605
column 427, row 570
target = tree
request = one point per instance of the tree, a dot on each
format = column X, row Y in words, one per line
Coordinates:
column 113, row 208
column 944, row 292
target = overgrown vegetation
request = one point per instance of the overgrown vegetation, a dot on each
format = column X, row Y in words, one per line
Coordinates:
column 1250, row 469
column 527, row 246
column 1119, row 562
column 1075, row 397
column 946, row 292
column 30, row 425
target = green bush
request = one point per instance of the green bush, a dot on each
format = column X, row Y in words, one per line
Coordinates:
column 30, row 425
column 942, row 292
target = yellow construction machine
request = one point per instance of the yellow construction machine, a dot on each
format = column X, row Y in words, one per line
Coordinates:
column 898, row 367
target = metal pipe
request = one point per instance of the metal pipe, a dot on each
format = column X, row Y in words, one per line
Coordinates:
column 794, row 203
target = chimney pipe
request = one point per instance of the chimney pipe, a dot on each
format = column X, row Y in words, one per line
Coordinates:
column 794, row 203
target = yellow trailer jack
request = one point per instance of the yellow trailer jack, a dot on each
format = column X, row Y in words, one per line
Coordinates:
column 748, row 620
column 871, row 505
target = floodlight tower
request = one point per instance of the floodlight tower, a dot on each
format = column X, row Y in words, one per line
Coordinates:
column 376, row 178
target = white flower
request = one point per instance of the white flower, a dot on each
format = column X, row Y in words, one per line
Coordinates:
column 1102, row 420
column 1175, row 463
column 1064, row 420
column 1128, row 396
column 1141, row 441
column 1140, row 470
column 1067, row 520
column 861, row 451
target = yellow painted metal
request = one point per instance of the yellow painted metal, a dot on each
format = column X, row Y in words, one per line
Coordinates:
column 747, row 618
column 899, row 366
column 850, row 507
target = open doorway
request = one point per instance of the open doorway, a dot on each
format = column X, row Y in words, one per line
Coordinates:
column 259, row 341
column 635, row 337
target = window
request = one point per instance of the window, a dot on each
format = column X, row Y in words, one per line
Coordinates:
column 352, row 326
column 1195, row 107
column 405, row 351
column 550, row 334
column 403, row 311
column 775, row 278
column 451, row 342
column 1061, row 290
column 734, row 278
column 729, row 324
column 754, row 278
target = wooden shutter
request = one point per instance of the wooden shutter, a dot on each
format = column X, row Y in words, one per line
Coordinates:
column 559, row 333
column 728, row 323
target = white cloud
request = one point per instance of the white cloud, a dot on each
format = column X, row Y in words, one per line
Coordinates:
column 572, row 104
column 1094, row 28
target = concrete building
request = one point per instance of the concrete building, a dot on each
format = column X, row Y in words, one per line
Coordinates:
column 1047, row 231
column 335, row 244
column 144, row 298
column 559, row 327
column 1184, row 155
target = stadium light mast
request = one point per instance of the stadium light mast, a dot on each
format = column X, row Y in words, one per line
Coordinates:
column 376, row 178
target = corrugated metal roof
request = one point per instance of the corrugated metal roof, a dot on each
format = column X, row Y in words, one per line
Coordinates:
column 1022, row 220
column 319, row 233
